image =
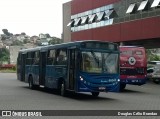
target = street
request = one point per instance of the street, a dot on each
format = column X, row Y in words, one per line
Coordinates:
column 15, row 95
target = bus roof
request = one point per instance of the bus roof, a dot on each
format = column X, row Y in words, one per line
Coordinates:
column 68, row 44
column 30, row 49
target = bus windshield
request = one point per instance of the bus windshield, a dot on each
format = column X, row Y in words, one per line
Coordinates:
column 98, row 62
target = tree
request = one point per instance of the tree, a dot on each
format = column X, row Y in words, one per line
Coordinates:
column 55, row 40
column 23, row 33
column 5, row 31
column 3, row 37
column 4, row 55
column 152, row 56
column 17, row 42
column 25, row 41
column 47, row 35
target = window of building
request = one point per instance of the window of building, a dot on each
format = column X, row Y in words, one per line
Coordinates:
column 94, row 25
column 106, row 22
column 90, row 26
column 109, row 14
column 84, row 20
column 155, row 3
column 102, row 23
column 72, row 29
column 110, row 21
column 100, row 16
column 77, row 22
column 92, row 19
column 71, row 23
column 143, row 5
column 86, row 26
column 131, row 8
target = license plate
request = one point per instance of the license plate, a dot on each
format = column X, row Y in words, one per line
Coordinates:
column 102, row 88
column 134, row 81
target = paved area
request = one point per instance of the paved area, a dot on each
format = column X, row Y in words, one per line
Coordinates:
column 15, row 95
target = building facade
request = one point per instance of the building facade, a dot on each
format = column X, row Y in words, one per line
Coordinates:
column 130, row 22
column 13, row 51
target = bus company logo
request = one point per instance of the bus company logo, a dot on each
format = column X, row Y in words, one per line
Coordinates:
column 6, row 113
column 132, row 61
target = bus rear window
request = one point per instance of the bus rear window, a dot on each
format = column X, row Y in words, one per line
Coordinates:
column 126, row 52
column 138, row 53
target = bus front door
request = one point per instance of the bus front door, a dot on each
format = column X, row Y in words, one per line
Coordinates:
column 42, row 69
column 23, row 67
column 71, row 69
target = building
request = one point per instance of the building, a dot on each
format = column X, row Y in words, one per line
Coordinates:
column 127, row 22
column 13, row 50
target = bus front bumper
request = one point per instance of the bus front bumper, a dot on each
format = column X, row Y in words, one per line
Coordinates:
column 114, row 87
column 133, row 81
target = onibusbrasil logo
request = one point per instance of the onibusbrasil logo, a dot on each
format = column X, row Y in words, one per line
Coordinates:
column 20, row 113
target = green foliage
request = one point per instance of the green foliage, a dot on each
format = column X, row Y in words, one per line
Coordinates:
column 3, row 37
column 47, row 35
column 155, row 58
column 23, row 33
column 4, row 55
column 17, row 42
column 151, row 56
column 55, row 41
column 5, row 31
column 25, row 41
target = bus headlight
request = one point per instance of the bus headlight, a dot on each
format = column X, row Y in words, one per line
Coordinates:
column 81, row 78
column 118, row 80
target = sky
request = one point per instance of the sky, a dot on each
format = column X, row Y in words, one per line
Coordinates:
column 32, row 16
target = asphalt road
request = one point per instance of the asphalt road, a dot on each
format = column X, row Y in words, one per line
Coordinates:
column 15, row 95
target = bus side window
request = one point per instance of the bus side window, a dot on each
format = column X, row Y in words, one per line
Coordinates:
column 36, row 58
column 51, row 57
column 29, row 58
column 61, row 57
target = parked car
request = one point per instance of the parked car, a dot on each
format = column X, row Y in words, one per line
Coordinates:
column 153, row 74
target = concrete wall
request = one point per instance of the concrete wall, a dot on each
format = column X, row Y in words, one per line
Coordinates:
column 66, row 36
column 14, row 52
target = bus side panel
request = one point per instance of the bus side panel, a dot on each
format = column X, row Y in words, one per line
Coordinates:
column 19, row 66
column 53, row 74
column 22, row 67
column 35, row 74
column 50, row 80
column 27, row 72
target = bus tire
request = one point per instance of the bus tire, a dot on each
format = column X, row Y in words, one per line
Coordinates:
column 63, row 89
column 95, row 94
column 122, row 87
column 30, row 81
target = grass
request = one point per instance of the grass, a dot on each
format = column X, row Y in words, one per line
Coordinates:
column 7, row 71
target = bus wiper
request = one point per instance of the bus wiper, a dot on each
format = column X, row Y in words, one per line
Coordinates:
column 104, row 59
column 94, row 56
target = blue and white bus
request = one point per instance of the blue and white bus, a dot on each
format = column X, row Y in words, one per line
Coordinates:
column 82, row 66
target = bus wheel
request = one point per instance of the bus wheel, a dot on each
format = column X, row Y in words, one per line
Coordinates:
column 122, row 87
column 62, row 89
column 95, row 94
column 31, row 85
